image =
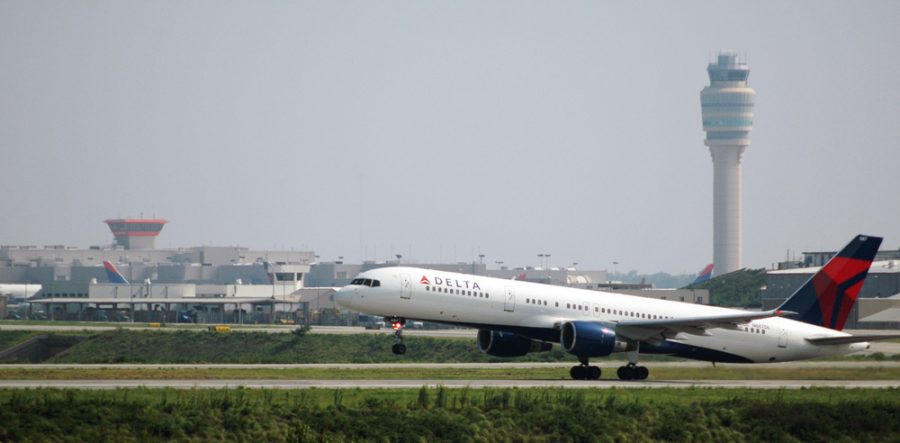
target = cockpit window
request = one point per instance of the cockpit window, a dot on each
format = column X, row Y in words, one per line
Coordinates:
column 366, row 282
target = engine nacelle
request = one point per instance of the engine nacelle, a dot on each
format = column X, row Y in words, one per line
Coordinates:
column 507, row 344
column 589, row 339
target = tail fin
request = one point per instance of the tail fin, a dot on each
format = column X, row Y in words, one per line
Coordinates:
column 113, row 274
column 827, row 297
column 704, row 275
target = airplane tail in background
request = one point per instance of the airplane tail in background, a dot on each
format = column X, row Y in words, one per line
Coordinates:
column 704, row 275
column 113, row 274
column 269, row 273
column 827, row 297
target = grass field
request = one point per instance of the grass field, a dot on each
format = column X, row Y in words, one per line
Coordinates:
column 187, row 346
column 542, row 415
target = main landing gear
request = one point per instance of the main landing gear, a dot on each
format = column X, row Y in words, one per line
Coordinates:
column 584, row 371
column 397, row 324
column 632, row 371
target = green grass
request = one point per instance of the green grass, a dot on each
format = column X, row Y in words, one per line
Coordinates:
column 9, row 339
column 193, row 346
column 450, row 415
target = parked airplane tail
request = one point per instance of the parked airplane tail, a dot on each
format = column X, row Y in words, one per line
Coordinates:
column 827, row 297
column 704, row 275
column 113, row 274
column 270, row 274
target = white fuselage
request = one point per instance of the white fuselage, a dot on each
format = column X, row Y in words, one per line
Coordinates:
column 491, row 303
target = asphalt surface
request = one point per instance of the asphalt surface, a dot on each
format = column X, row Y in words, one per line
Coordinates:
column 412, row 384
column 361, row 366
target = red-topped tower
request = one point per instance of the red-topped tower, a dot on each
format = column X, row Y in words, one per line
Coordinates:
column 136, row 233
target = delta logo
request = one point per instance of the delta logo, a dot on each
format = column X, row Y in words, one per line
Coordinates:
column 462, row 284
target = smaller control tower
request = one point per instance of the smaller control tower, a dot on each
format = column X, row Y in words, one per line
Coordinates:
column 136, row 233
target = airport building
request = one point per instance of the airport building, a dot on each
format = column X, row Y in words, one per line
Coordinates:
column 211, row 284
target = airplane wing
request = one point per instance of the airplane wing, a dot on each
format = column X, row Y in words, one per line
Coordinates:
column 667, row 328
column 849, row 339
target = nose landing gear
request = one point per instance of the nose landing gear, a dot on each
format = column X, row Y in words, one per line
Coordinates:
column 397, row 324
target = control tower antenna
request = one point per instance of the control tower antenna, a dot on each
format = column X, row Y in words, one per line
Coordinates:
column 727, row 109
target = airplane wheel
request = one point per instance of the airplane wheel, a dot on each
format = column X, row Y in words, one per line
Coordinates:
column 641, row 373
column 399, row 349
column 625, row 373
column 593, row 372
column 578, row 372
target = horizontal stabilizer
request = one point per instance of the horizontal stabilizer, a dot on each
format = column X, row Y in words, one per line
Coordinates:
column 850, row 339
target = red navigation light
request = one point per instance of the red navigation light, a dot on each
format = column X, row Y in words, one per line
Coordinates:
column 396, row 325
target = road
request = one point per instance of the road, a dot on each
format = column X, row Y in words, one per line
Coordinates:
column 413, row 384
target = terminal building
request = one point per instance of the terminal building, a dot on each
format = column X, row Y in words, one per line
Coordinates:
column 230, row 284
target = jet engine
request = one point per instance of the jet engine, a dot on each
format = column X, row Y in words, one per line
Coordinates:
column 589, row 339
column 508, row 344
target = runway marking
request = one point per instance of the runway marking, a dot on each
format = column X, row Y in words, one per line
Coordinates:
column 455, row 384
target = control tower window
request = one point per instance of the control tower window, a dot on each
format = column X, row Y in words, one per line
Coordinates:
column 285, row 276
column 729, row 75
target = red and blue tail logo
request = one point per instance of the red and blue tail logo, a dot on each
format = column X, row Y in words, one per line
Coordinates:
column 827, row 298
column 113, row 274
column 704, row 275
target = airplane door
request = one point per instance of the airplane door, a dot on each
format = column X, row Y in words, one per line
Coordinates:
column 509, row 304
column 782, row 338
column 405, row 286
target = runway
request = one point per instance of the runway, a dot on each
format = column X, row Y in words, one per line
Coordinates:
column 497, row 365
column 455, row 384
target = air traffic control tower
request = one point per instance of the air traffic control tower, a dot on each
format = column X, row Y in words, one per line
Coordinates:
column 136, row 233
column 727, row 108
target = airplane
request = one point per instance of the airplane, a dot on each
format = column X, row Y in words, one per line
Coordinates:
column 704, row 275
column 515, row 318
column 113, row 274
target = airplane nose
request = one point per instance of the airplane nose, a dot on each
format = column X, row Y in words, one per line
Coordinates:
column 344, row 296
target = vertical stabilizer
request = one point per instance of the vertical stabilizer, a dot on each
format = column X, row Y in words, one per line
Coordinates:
column 113, row 274
column 827, row 298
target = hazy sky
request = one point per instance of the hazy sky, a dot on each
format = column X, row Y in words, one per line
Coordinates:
column 439, row 130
